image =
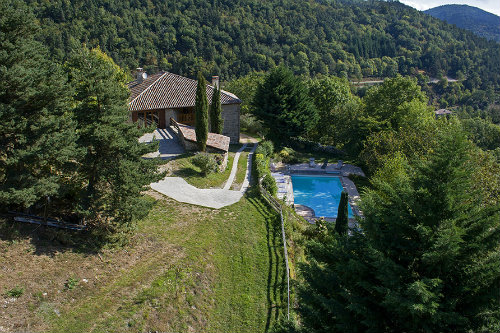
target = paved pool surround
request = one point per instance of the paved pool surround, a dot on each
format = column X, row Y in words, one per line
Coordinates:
column 283, row 174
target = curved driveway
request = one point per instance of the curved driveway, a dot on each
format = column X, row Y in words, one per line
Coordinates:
column 177, row 188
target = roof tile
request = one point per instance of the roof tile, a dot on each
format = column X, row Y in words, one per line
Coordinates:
column 166, row 90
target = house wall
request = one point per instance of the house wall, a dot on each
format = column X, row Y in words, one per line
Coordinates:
column 231, row 117
column 170, row 113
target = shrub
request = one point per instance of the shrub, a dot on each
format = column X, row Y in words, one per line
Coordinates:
column 205, row 162
column 265, row 148
column 250, row 124
column 270, row 184
column 15, row 292
column 71, row 283
column 288, row 155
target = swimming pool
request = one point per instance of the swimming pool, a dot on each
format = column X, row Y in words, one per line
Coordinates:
column 320, row 193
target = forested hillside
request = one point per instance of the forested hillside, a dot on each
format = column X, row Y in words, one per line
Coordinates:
column 470, row 18
column 232, row 38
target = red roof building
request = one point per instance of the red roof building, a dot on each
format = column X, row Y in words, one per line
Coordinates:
column 162, row 96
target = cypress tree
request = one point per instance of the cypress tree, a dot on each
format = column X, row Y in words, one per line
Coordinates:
column 342, row 220
column 216, row 122
column 37, row 136
column 201, row 113
column 111, row 167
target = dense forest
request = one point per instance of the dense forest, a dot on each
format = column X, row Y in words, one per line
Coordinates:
column 480, row 22
column 232, row 38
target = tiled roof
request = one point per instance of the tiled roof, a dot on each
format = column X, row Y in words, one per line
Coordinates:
column 217, row 141
column 167, row 90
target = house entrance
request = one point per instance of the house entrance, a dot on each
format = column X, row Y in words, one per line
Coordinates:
column 147, row 118
column 186, row 116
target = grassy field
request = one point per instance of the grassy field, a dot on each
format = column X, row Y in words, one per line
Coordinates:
column 185, row 269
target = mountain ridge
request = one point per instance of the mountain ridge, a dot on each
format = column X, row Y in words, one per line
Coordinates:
column 480, row 22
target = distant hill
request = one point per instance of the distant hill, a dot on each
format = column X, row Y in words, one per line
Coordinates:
column 347, row 38
column 470, row 18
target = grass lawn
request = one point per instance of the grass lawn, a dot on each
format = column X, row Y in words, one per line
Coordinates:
column 183, row 167
column 185, row 269
column 241, row 171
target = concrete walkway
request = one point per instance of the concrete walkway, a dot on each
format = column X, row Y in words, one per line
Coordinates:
column 230, row 180
column 177, row 188
column 169, row 144
column 248, row 174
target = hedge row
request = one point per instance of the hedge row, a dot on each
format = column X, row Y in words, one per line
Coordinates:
column 263, row 154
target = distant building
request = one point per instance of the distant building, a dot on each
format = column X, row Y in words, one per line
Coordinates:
column 162, row 96
column 442, row 112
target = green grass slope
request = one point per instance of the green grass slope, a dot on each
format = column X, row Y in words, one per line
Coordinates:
column 186, row 269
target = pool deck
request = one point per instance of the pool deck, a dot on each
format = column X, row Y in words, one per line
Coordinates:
column 282, row 175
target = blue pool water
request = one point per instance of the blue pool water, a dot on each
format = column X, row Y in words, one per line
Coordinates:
column 319, row 193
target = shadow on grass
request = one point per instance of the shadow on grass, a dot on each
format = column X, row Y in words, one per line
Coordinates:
column 275, row 287
column 186, row 173
column 50, row 241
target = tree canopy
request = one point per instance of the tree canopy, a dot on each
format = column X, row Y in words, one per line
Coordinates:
column 427, row 259
column 283, row 105
column 37, row 134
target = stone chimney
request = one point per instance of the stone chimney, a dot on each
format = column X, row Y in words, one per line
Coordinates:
column 215, row 81
column 141, row 75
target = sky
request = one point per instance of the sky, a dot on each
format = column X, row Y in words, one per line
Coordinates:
column 492, row 6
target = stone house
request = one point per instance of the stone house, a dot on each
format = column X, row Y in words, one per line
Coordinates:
column 162, row 96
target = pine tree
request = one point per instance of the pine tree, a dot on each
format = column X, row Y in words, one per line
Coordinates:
column 111, row 167
column 283, row 105
column 37, row 137
column 201, row 113
column 342, row 220
column 216, row 122
column 427, row 260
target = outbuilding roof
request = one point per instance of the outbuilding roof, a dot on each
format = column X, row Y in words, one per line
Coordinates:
column 167, row 90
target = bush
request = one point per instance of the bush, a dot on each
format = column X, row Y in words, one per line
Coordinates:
column 265, row 148
column 250, row 124
column 205, row 162
column 288, row 155
column 270, row 184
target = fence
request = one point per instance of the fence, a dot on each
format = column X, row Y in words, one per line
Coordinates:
column 276, row 205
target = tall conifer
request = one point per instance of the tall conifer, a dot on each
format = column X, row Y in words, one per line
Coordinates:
column 37, row 137
column 216, row 122
column 342, row 220
column 111, row 168
column 201, row 113
column 427, row 260
column 283, row 105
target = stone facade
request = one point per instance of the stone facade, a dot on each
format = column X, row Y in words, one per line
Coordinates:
column 231, row 117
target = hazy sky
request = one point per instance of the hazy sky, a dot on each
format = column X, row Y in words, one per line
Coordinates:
column 492, row 6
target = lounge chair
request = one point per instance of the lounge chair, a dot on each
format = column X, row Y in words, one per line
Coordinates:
column 311, row 162
column 339, row 165
column 324, row 164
